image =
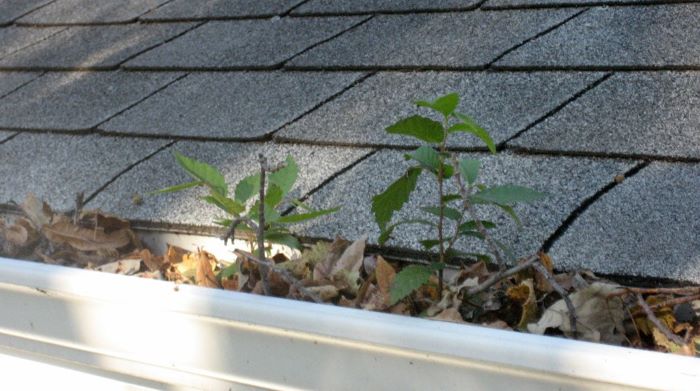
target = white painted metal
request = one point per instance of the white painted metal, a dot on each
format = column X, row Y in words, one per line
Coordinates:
column 156, row 334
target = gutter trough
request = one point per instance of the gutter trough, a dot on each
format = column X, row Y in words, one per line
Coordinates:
column 132, row 333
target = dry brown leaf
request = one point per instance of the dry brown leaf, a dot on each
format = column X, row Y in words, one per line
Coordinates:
column 230, row 284
column 124, row 266
column 449, row 315
column 335, row 250
column 524, row 295
column 351, row 259
column 204, row 275
column 84, row 239
column 325, row 292
column 38, row 212
column 109, row 223
column 175, row 254
column 599, row 319
column 385, row 274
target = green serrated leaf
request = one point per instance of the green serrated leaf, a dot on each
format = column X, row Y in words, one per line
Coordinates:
column 394, row 197
column 408, row 280
column 427, row 157
column 203, row 172
column 285, row 176
column 247, row 188
column 295, row 218
column 509, row 194
column 422, row 128
column 445, row 105
column 179, row 187
column 386, row 234
column 283, row 238
column 273, row 196
column 469, row 126
column 511, row 212
column 224, row 203
column 469, row 168
column 450, row 213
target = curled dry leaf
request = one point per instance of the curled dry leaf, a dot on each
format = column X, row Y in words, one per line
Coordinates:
column 598, row 319
column 449, row 315
column 18, row 237
column 351, row 259
column 85, row 239
column 524, row 295
column 204, row 275
column 38, row 212
column 323, row 268
column 325, row 292
column 124, row 266
column 385, row 274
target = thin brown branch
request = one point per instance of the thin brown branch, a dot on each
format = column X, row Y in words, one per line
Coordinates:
column 231, row 231
column 496, row 277
column 79, row 203
column 689, row 290
column 671, row 302
column 653, row 319
column 284, row 273
column 564, row 295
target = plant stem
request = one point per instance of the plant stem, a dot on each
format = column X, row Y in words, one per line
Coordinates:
column 264, row 270
column 558, row 288
column 441, row 203
column 496, row 277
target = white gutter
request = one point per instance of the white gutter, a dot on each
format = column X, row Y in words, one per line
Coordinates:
column 154, row 334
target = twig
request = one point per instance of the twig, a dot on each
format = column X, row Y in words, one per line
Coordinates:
column 264, row 270
column 555, row 285
column 671, row 302
column 653, row 319
column 656, row 291
column 284, row 273
column 231, row 231
column 501, row 275
column 79, row 201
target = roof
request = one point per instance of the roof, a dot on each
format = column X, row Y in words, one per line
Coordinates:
column 95, row 96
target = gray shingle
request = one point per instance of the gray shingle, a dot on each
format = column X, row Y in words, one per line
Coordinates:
column 10, row 81
column 213, row 9
column 360, row 6
column 5, row 135
column 230, row 105
column 93, row 47
column 464, row 40
column 77, row 100
column 13, row 9
column 90, row 11
column 56, row 167
column 630, row 113
column 13, row 39
column 503, row 103
column 626, row 37
column 568, row 182
column 235, row 161
column 242, row 44
column 646, row 226
column 498, row 4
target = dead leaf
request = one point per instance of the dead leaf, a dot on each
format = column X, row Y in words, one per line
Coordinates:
column 599, row 320
column 335, row 250
column 124, row 266
column 175, row 254
column 524, row 295
column 449, row 315
column 497, row 324
column 109, row 223
column 38, row 212
column 351, row 259
column 325, row 292
column 385, row 274
column 204, row 275
column 84, row 239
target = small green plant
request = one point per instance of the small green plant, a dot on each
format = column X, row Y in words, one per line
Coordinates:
column 458, row 207
column 243, row 214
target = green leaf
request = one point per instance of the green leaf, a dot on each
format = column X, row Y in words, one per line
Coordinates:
column 451, row 197
column 471, row 225
column 469, row 126
column 469, row 168
column 203, row 172
column 273, row 196
column 474, row 234
column 285, row 176
column 247, row 188
column 445, row 105
column 394, row 197
column 179, row 187
column 283, row 238
column 422, row 128
column 295, row 218
column 430, row 243
column 428, row 158
column 229, row 271
column 408, row 280
column 450, row 213
column 386, row 234
column 510, row 212
column 224, row 203
column 509, row 194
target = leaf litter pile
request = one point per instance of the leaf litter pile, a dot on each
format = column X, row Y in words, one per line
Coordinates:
column 529, row 297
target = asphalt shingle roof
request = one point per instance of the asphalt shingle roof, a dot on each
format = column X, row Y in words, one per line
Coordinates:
column 95, row 96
